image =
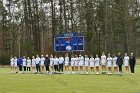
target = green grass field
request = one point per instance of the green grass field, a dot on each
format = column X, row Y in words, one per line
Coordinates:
column 42, row 83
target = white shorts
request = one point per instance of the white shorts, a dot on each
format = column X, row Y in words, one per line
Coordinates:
column 103, row 63
column 42, row 64
column 91, row 64
column 72, row 64
column 66, row 64
column 33, row 65
column 81, row 64
column 76, row 64
column 109, row 64
column 51, row 64
column 114, row 64
column 126, row 63
column 12, row 64
column 15, row 65
column 24, row 65
column 86, row 64
column 97, row 64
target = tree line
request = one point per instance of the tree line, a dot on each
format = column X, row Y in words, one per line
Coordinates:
column 27, row 27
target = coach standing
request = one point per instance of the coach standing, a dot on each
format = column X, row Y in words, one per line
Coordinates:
column 47, row 63
column 132, row 62
column 119, row 63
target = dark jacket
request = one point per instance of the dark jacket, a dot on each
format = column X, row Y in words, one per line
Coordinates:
column 47, row 61
column 119, row 60
column 132, row 61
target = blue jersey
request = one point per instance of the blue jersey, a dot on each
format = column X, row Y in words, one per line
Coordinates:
column 20, row 61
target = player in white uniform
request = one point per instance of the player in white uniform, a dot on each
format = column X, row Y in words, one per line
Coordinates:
column 12, row 64
column 91, row 60
column 15, row 64
column 28, row 64
column 114, row 64
column 56, row 62
column 42, row 66
column 52, row 63
column 76, row 63
column 72, row 63
column 66, row 63
column 81, row 63
column 33, row 64
column 126, row 63
column 24, row 63
column 109, row 64
column 103, row 63
column 97, row 64
column 37, row 63
column 86, row 63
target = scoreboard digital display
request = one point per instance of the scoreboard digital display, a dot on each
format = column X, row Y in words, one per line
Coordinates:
column 68, row 42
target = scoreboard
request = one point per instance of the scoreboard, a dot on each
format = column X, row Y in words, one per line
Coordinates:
column 68, row 42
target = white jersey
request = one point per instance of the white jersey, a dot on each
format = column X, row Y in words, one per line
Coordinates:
column 33, row 62
column 126, row 61
column 56, row 61
column 51, row 62
column 97, row 61
column 86, row 61
column 76, row 61
column 42, row 61
column 72, row 61
column 81, row 61
column 37, row 60
column 91, row 60
column 109, row 62
column 15, row 62
column 24, row 62
column 114, row 61
column 12, row 61
column 28, row 63
column 66, row 61
column 103, row 60
column 61, row 60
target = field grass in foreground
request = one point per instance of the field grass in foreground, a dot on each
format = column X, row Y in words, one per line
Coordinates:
column 42, row 83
